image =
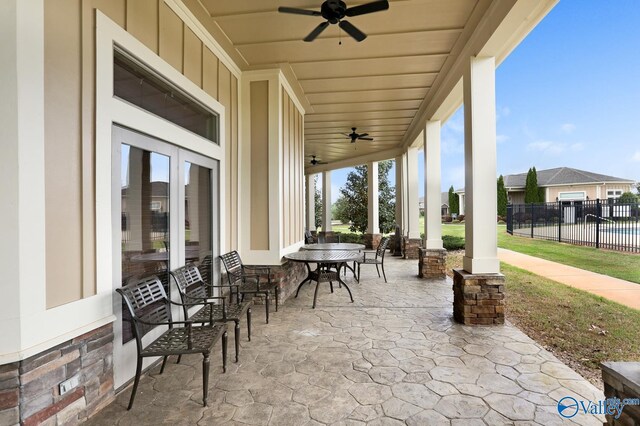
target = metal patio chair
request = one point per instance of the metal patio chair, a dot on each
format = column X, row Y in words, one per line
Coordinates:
column 378, row 259
column 150, row 307
column 247, row 279
column 193, row 290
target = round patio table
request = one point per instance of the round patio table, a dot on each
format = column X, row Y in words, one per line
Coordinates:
column 334, row 246
column 323, row 258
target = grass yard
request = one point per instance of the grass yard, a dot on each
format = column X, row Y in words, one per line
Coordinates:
column 578, row 327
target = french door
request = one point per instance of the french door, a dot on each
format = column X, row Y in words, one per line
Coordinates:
column 165, row 203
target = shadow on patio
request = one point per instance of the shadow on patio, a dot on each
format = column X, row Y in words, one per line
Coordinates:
column 395, row 356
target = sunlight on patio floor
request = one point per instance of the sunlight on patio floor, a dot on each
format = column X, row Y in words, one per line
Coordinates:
column 395, row 356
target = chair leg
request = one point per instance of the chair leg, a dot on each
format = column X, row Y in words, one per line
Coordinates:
column 179, row 359
column 358, row 272
column 378, row 269
column 331, row 286
column 164, row 362
column 267, row 302
column 315, row 294
column 224, row 352
column 237, row 337
column 205, row 377
column 277, row 298
column 249, row 323
column 383, row 274
column 135, row 382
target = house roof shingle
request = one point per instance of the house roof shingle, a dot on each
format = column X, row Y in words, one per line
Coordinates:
column 560, row 176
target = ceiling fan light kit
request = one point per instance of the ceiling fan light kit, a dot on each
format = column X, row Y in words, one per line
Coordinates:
column 333, row 11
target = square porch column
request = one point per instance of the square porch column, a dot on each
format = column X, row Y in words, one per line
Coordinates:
column 479, row 286
column 412, row 242
column 372, row 237
column 327, row 231
column 310, row 188
column 401, row 203
column 432, row 254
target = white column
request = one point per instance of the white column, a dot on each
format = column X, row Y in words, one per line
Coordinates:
column 481, row 254
column 373, row 223
column 399, row 189
column 432, row 222
column 461, row 204
column 413, row 212
column 326, row 201
column 310, row 187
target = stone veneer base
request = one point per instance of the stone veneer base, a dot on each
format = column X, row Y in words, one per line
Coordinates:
column 478, row 299
column 432, row 263
column 29, row 389
column 622, row 380
column 411, row 248
column 371, row 241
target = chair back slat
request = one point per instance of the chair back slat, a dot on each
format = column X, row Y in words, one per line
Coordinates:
column 382, row 247
column 190, row 282
column 147, row 301
column 232, row 262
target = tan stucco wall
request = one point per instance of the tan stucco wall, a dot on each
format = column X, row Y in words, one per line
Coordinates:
column 259, row 230
column 591, row 190
column 69, row 125
column 292, row 172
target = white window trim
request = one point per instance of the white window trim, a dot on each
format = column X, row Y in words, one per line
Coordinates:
column 584, row 196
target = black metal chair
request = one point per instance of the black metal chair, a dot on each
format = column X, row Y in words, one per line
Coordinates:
column 377, row 260
column 150, row 307
column 247, row 279
column 193, row 289
column 309, row 238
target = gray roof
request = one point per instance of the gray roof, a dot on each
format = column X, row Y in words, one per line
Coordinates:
column 560, row 176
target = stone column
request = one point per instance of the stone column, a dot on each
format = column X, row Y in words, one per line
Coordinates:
column 432, row 255
column 412, row 242
column 372, row 237
column 479, row 288
column 310, row 188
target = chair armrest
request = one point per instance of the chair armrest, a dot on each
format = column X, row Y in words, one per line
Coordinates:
column 367, row 252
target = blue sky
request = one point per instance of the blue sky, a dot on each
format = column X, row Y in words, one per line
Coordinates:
column 568, row 95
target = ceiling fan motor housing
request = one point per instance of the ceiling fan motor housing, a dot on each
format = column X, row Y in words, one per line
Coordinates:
column 333, row 10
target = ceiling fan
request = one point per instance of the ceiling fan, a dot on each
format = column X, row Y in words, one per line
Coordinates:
column 357, row 137
column 316, row 162
column 333, row 11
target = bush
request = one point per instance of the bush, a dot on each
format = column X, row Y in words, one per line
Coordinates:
column 460, row 217
column 451, row 242
column 352, row 238
column 447, row 218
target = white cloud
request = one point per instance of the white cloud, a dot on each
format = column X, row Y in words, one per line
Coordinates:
column 577, row 147
column 568, row 128
column 455, row 124
column 636, row 156
column 547, row 147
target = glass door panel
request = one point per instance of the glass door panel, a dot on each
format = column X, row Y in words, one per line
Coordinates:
column 145, row 204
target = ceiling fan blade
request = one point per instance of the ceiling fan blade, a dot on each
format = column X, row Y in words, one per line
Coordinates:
column 375, row 6
column 296, row 11
column 363, row 135
column 316, row 31
column 350, row 29
column 366, row 139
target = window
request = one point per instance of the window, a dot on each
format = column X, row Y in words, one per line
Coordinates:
column 134, row 83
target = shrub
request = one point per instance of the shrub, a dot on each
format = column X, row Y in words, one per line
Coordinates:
column 451, row 242
column 447, row 218
column 352, row 238
column 460, row 217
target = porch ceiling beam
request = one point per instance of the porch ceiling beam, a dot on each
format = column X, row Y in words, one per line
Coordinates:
column 355, row 161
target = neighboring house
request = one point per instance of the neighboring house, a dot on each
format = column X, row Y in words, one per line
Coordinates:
column 444, row 203
column 564, row 184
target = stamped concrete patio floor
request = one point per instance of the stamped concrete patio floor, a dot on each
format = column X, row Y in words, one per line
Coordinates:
column 393, row 357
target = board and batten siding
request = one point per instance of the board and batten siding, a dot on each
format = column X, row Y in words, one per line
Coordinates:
column 292, row 172
column 70, row 125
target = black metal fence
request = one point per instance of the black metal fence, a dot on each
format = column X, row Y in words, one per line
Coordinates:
column 595, row 223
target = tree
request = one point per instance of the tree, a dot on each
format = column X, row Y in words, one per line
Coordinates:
column 318, row 202
column 628, row 198
column 502, row 197
column 531, row 191
column 339, row 210
column 638, row 188
column 355, row 197
column 454, row 201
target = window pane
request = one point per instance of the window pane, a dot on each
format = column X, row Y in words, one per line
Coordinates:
column 134, row 83
column 199, row 218
column 145, row 218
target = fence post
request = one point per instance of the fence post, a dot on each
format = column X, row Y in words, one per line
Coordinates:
column 559, row 221
column 533, row 217
column 598, row 214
